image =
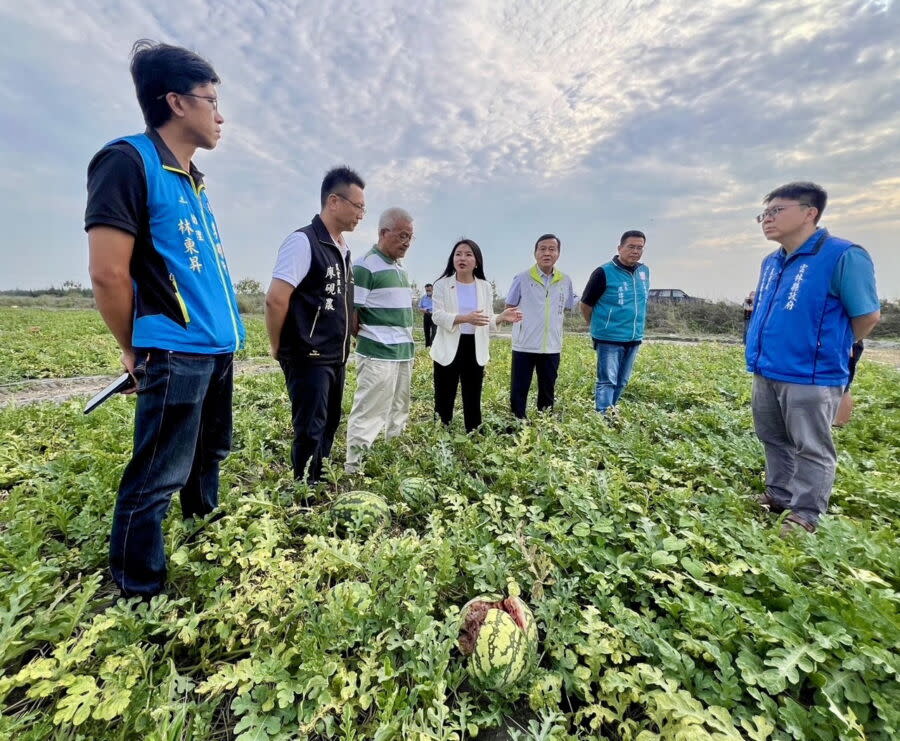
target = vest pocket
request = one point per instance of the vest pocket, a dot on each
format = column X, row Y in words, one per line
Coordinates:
column 312, row 329
column 181, row 303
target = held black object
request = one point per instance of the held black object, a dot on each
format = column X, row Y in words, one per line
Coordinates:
column 122, row 383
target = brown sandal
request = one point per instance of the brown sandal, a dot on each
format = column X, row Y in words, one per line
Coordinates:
column 792, row 522
column 767, row 500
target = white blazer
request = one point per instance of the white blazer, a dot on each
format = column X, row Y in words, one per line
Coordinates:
column 446, row 307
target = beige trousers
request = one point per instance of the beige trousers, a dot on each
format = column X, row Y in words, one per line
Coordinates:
column 381, row 403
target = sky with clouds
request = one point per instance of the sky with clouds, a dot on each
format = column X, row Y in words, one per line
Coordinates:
column 494, row 120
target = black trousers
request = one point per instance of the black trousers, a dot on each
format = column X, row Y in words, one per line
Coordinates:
column 524, row 364
column 429, row 327
column 464, row 371
column 316, row 393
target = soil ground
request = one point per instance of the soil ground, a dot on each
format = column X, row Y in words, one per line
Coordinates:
column 58, row 390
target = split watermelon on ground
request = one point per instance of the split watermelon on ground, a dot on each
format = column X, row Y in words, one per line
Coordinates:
column 499, row 636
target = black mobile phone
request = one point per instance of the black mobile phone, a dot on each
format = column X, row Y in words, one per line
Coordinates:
column 122, row 383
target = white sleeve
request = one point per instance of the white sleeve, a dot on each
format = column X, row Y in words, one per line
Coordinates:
column 440, row 312
column 293, row 260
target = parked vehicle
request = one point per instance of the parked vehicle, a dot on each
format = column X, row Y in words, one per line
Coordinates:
column 671, row 296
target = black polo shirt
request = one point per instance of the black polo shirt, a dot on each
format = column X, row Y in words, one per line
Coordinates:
column 117, row 197
column 596, row 284
column 117, row 187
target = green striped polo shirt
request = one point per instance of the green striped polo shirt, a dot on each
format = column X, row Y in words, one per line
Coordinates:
column 383, row 298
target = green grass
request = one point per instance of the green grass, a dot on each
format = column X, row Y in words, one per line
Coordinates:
column 66, row 342
column 42, row 343
column 668, row 606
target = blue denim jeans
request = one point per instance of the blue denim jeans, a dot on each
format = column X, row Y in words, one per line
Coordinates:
column 182, row 431
column 614, row 363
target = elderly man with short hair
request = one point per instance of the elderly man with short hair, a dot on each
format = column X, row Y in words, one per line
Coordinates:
column 384, row 344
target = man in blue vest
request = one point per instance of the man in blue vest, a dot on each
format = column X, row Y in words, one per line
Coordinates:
column 309, row 318
column 614, row 304
column 816, row 293
column 162, row 286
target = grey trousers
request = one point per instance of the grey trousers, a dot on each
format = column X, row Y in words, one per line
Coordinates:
column 793, row 421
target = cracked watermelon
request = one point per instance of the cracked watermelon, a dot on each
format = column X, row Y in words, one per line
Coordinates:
column 361, row 511
column 499, row 637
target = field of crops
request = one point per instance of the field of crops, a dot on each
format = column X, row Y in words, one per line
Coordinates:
column 40, row 343
column 667, row 605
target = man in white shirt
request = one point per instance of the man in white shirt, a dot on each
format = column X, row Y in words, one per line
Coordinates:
column 309, row 314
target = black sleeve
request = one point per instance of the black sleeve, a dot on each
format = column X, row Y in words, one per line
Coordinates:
column 595, row 287
column 117, row 189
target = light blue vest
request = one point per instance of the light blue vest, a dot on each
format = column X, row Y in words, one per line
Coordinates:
column 184, row 233
column 799, row 332
column 621, row 312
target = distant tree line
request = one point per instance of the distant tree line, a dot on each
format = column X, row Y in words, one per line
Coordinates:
column 68, row 288
column 700, row 319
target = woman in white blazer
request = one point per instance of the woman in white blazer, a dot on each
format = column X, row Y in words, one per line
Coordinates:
column 463, row 312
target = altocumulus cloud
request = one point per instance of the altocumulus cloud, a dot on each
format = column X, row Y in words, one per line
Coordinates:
column 677, row 116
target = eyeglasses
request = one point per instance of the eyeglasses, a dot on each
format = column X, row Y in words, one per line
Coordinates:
column 404, row 236
column 358, row 206
column 214, row 102
column 773, row 212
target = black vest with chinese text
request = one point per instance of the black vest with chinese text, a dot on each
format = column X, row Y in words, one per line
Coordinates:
column 317, row 326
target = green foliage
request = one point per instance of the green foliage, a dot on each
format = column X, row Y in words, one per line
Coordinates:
column 668, row 606
column 248, row 286
column 61, row 344
column 55, row 344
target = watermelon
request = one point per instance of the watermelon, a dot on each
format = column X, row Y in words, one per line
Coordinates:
column 418, row 493
column 361, row 512
column 500, row 638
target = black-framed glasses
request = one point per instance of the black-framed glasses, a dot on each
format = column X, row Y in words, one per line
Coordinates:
column 358, row 206
column 775, row 210
column 214, row 102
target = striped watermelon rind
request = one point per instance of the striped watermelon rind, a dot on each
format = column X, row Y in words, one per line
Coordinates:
column 506, row 642
column 417, row 492
column 361, row 511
